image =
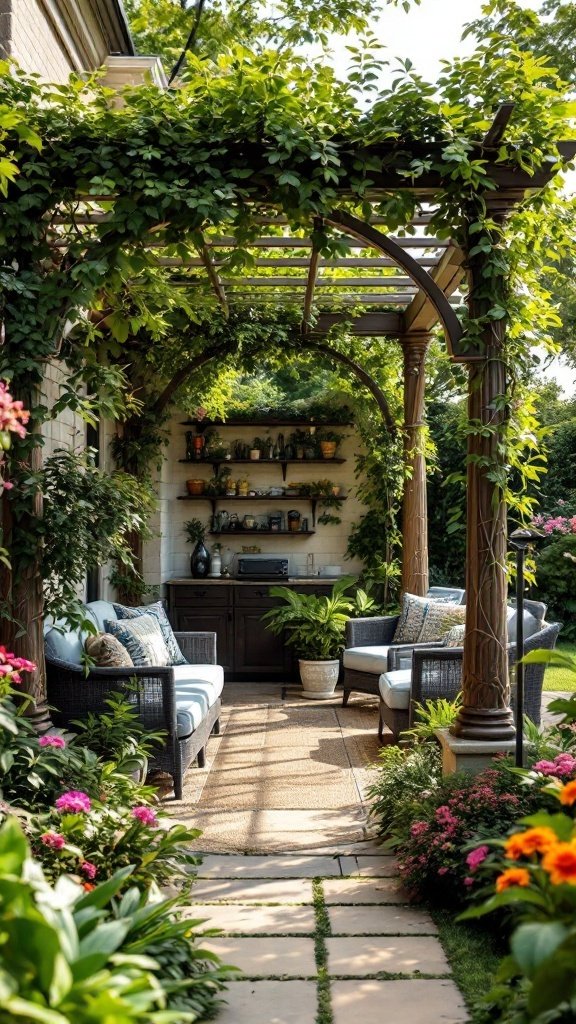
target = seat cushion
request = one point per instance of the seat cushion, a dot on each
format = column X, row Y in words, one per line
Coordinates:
column 395, row 688
column 190, row 713
column 156, row 609
column 198, row 674
column 531, row 623
column 142, row 638
column 366, row 659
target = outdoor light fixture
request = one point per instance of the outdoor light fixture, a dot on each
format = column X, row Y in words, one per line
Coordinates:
column 520, row 540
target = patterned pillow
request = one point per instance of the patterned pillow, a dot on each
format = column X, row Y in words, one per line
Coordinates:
column 455, row 636
column 107, row 652
column 142, row 638
column 439, row 619
column 157, row 609
column 412, row 614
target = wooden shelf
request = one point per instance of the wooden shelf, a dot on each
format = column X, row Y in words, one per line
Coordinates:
column 284, row 463
column 271, row 422
column 261, row 533
column 255, row 497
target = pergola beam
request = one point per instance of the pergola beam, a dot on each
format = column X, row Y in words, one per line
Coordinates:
column 421, row 315
column 213, row 277
column 310, row 282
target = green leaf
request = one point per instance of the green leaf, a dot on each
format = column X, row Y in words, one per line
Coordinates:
column 536, row 941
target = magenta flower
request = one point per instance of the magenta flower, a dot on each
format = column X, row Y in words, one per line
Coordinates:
column 88, row 869
column 52, row 741
column 442, row 871
column 477, row 856
column 145, row 815
column 53, row 839
column 468, row 880
column 418, row 828
column 562, row 767
column 74, row 801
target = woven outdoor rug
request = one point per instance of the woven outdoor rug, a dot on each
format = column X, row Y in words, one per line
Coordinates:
column 284, row 774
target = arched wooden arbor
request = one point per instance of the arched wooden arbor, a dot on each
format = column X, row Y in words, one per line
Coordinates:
column 404, row 286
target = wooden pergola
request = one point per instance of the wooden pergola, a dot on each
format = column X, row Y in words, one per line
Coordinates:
column 401, row 286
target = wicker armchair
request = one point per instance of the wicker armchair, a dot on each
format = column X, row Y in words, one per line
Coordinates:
column 374, row 632
column 72, row 694
column 437, row 673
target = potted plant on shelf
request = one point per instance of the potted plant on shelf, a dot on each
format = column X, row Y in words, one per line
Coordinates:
column 200, row 558
column 315, row 627
column 256, row 448
column 329, row 441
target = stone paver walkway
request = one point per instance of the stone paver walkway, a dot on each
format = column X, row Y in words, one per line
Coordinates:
column 323, row 940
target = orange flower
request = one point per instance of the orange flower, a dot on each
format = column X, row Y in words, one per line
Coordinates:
column 560, row 863
column 568, row 793
column 534, row 840
column 512, row 876
column 88, row 886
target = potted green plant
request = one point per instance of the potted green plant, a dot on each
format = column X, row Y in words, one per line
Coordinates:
column 256, row 448
column 329, row 441
column 315, row 627
column 200, row 558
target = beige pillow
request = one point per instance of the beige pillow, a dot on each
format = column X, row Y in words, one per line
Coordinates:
column 412, row 614
column 107, row 652
column 439, row 619
column 455, row 637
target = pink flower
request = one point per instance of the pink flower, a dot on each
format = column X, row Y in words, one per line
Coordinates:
column 444, row 816
column 74, row 801
column 468, row 880
column 52, row 741
column 146, row 815
column 418, row 828
column 442, row 871
column 88, row 869
column 563, row 766
column 53, row 839
column 13, row 415
column 477, row 856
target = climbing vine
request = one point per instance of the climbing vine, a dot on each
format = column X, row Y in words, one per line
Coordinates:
column 88, row 184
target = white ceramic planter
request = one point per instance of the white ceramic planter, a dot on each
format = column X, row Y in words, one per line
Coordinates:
column 319, row 678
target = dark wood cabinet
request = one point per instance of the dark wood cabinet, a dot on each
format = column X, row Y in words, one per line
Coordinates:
column 246, row 649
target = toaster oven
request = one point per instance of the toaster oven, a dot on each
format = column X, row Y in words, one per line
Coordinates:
column 260, row 566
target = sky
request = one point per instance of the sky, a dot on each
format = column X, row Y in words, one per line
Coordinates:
column 426, row 35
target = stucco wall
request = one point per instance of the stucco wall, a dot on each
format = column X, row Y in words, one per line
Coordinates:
column 169, row 555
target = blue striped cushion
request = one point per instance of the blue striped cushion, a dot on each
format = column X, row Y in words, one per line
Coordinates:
column 142, row 638
column 157, row 609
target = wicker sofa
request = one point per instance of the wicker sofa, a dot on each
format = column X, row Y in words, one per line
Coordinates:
column 183, row 701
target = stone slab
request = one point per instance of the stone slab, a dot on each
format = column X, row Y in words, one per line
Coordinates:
column 251, row 890
column 263, row 958
column 369, row 867
column 269, row 1002
column 288, row 866
column 403, row 1002
column 405, row 954
column 363, row 890
column 239, row 919
column 385, row 920
column 461, row 755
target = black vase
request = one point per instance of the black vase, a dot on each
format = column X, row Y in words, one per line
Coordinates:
column 200, row 561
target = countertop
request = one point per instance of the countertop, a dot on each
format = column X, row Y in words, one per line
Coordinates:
column 243, row 581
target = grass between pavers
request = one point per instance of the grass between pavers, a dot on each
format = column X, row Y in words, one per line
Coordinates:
column 561, row 678
column 323, row 931
column 473, row 952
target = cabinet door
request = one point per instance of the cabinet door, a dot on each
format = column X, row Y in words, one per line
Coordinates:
column 258, row 652
column 206, row 618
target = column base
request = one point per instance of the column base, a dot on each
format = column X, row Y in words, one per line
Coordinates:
column 486, row 724
column 465, row 755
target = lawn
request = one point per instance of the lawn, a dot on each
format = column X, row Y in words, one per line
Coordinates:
column 561, row 678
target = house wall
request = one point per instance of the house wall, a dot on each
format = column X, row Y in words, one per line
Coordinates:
column 54, row 37
column 168, row 555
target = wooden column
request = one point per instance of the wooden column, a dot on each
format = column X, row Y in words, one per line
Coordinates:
column 485, row 712
column 414, row 507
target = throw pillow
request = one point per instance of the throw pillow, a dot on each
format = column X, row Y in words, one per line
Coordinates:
column 439, row 619
column 455, row 636
column 157, row 609
column 142, row 638
column 411, row 619
column 106, row 651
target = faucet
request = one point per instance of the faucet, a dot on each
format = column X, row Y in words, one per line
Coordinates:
column 310, row 563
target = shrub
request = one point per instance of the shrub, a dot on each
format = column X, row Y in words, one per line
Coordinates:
column 535, row 883
column 555, row 576
column 462, row 811
column 68, row 956
column 406, row 778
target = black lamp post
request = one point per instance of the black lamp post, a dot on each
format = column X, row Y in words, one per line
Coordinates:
column 520, row 540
